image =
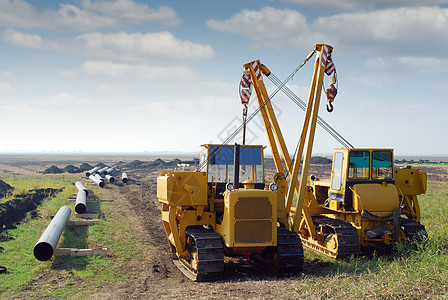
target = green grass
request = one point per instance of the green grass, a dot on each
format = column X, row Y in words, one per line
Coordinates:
column 23, row 268
column 23, row 184
column 411, row 272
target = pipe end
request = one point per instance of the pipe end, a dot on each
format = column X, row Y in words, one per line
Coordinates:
column 43, row 251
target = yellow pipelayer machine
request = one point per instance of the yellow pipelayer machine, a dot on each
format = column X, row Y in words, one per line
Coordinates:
column 226, row 207
column 218, row 211
column 367, row 201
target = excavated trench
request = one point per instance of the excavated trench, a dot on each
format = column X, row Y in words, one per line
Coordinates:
column 15, row 210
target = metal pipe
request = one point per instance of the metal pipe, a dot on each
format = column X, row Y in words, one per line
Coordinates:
column 80, row 206
column 124, row 177
column 92, row 171
column 99, row 177
column 102, row 171
column 110, row 170
column 44, row 248
column 110, row 178
column 81, row 187
column 96, row 180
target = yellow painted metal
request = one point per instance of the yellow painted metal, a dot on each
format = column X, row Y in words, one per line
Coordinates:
column 410, row 181
column 249, row 219
column 272, row 127
column 313, row 101
column 381, row 199
column 182, row 188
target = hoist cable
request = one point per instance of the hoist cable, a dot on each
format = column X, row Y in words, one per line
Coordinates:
column 299, row 102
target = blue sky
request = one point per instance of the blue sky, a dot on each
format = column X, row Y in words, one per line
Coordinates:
column 132, row 76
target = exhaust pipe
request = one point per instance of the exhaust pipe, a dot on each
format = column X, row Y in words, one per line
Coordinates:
column 80, row 206
column 236, row 166
column 96, row 180
column 44, row 248
column 81, row 187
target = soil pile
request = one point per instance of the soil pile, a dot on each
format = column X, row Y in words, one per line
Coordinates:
column 14, row 210
column 72, row 169
column 53, row 170
column 5, row 189
column 320, row 160
column 85, row 167
column 138, row 164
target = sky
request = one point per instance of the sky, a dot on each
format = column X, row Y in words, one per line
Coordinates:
column 152, row 76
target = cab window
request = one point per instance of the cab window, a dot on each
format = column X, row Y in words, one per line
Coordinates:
column 221, row 164
column 382, row 165
column 337, row 171
column 359, row 165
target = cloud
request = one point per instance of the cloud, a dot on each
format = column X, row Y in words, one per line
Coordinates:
column 5, row 75
column 5, row 87
column 394, row 31
column 92, row 15
column 141, row 47
column 344, row 5
column 133, row 12
column 121, row 46
column 26, row 40
column 128, row 72
column 264, row 26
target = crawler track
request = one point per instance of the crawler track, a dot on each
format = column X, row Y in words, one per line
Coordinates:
column 415, row 232
column 289, row 250
column 340, row 238
column 206, row 261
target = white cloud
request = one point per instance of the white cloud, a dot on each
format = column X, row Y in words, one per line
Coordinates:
column 424, row 64
column 92, row 15
column 5, row 87
column 393, row 31
column 129, row 72
column 122, row 46
column 344, row 5
column 264, row 26
column 19, row 109
column 137, row 47
column 6, row 75
column 26, row 40
column 133, row 12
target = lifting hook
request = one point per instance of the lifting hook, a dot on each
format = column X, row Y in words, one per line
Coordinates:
column 331, row 94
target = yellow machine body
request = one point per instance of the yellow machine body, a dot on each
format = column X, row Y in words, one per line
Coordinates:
column 245, row 217
column 249, row 222
column 366, row 191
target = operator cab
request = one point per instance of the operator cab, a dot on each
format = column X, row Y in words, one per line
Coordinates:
column 218, row 161
column 358, row 166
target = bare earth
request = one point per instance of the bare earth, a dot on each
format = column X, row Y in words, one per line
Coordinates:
column 156, row 276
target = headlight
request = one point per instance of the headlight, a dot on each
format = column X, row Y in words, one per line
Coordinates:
column 230, row 187
column 273, row 187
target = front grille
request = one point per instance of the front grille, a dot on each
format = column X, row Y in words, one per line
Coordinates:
column 253, row 231
column 253, row 220
column 253, row 208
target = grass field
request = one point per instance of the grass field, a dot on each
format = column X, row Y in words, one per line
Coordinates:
column 418, row 272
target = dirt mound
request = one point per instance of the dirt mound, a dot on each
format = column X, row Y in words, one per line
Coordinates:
column 53, row 170
column 5, row 189
column 14, row 210
column 72, row 169
column 320, row 160
column 85, row 167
